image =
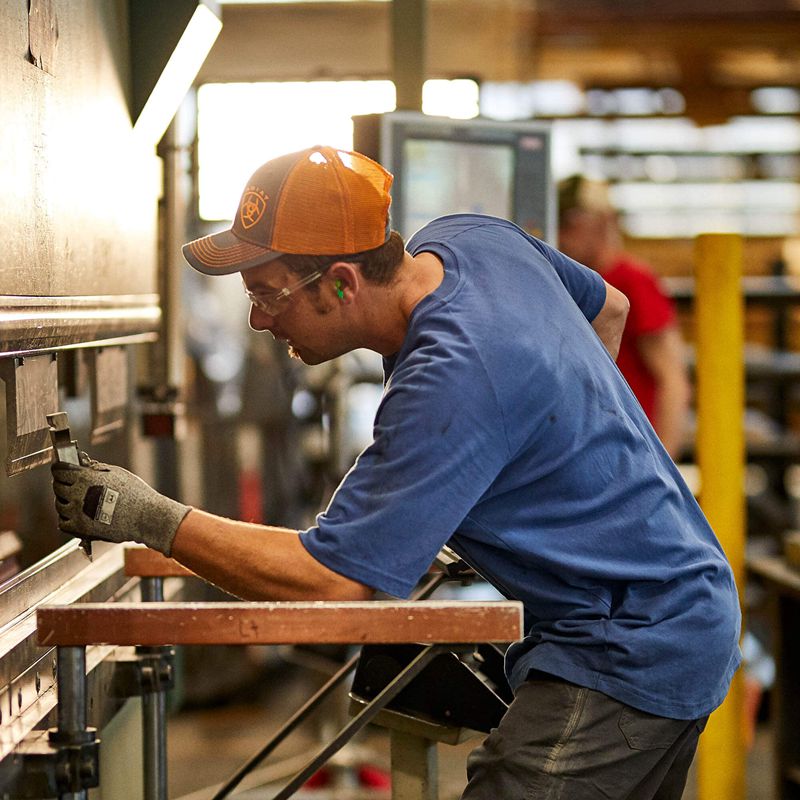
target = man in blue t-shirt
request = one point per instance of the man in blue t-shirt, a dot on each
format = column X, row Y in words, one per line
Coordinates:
column 506, row 432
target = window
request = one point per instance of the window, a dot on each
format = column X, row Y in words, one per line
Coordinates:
column 670, row 177
column 242, row 125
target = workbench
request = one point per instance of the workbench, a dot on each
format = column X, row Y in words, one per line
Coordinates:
column 782, row 582
column 154, row 627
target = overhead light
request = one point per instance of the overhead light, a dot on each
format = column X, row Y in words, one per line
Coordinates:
column 292, row 2
column 169, row 43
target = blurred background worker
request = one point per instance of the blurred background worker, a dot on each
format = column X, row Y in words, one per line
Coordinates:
column 651, row 356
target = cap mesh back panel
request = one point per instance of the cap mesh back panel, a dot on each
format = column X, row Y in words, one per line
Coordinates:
column 370, row 203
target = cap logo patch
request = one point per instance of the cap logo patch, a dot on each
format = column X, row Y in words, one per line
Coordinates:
column 253, row 206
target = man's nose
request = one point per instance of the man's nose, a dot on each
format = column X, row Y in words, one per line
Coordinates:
column 259, row 320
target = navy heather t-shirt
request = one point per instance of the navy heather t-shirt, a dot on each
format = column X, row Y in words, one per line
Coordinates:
column 507, row 432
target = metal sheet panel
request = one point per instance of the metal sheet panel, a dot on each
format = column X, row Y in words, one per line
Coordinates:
column 78, row 197
column 31, row 394
column 27, row 685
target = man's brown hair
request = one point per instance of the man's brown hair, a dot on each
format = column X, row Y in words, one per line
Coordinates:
column 378, row 265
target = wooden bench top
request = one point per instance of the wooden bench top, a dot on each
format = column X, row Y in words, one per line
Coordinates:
column 320, row 622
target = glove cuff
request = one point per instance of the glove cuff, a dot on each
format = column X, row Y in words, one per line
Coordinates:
column 161, row 523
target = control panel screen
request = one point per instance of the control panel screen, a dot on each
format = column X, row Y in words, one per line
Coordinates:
column 450, row 177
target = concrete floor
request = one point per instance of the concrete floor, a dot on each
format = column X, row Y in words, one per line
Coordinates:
column 207, row 745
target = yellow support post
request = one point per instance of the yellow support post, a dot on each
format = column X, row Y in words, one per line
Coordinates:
column 719, row 341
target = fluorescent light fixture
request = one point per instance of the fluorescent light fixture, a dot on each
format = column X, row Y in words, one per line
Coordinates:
column 288, row 2
column 180, row 69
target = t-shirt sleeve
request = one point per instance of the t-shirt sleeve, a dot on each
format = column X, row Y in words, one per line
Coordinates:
column 586, row 287
column 432, row 458
column 651, row 308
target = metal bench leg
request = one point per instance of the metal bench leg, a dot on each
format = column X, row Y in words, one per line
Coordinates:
column 76, row 744
column 154, row 716
column 414, row 767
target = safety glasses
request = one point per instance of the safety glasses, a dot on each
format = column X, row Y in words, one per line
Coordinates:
column 274, row 304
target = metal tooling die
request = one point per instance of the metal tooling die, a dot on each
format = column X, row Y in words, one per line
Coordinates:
column 65, row 449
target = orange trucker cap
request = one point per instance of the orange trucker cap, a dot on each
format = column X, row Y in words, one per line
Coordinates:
column 318, row 201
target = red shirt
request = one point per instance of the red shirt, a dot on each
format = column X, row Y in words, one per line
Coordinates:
column 651, row 311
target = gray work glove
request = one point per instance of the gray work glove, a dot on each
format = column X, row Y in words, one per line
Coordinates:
column 101, row 501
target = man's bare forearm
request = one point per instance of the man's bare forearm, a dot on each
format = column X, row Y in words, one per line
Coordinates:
column 610, row 321
column 257, row 562
column 663, row 355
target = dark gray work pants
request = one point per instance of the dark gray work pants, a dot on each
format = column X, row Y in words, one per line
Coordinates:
column 559, row 741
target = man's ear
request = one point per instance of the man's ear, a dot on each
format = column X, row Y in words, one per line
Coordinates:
column 344, row 280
